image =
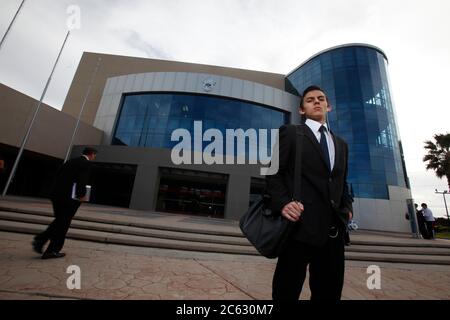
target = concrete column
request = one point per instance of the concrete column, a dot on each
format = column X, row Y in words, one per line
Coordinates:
column 145, row 189
column 238, row 196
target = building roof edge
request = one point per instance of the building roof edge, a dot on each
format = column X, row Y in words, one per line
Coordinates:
column 338, row 47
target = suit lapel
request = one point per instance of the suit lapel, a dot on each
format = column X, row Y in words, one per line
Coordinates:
column 315, row 143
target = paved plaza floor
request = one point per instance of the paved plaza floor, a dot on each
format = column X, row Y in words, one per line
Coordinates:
column 126, row 272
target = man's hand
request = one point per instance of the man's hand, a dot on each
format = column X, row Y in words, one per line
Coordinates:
column 292, row 211
column 350, row 215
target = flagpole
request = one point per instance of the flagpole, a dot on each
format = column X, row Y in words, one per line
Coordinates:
column 25, row 138
column 82, row 108
column 10, row 25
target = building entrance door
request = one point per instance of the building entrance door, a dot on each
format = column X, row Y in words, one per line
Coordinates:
column 112, row 183
column 192, row 192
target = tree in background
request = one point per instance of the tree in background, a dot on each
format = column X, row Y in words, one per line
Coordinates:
column 438, row 156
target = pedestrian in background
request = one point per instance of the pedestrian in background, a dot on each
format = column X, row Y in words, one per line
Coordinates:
column 421, row 222
column 2, row 170
column 66, row 202
column 2, row 165
column 429, row 220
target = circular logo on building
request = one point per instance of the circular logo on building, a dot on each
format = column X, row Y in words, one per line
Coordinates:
column 208, row 84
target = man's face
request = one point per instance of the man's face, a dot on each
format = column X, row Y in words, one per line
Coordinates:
column 315, row 106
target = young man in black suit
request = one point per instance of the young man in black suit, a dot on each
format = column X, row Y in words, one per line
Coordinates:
column 321, row 215
column 77, row 171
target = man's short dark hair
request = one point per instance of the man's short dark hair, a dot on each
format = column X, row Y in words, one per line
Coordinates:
column 309, row 89
column 88, row 150
column 423, row 205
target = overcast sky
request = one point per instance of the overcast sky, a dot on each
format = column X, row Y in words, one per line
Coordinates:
column 265, row 35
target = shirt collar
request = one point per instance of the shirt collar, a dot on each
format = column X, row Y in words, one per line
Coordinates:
column 315, row 125
column 87, row 158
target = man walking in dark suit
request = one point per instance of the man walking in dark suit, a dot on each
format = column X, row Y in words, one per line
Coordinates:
column 421, row 222
column 321, row 215
column 77, row 171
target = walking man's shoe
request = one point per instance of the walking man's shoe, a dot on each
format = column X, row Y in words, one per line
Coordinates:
column 53, row 255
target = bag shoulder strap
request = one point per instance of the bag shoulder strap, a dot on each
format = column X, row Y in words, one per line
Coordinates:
column 299, row 133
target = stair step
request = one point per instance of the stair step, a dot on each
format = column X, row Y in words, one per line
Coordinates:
column 399, row 250
column 131, row 221
column 129, row 230
column 132, row 240
column 414, row 259
column 147, row 241
column 195, row 237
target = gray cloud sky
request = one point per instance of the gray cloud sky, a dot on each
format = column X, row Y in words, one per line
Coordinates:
column 266, row 35
column 135, row 40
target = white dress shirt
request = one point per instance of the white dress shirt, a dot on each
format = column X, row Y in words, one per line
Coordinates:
column 427, row 214
column 315, row 126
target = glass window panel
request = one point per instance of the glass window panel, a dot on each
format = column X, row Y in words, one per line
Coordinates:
column 173, row 124
column 365, row 190
column 163, row 113
column 380, row 191
column 378, row 177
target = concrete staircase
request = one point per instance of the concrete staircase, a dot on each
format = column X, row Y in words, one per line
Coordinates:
column 209, row 238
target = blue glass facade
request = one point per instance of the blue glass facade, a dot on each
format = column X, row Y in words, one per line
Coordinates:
column 356, row 83
column 148, row 120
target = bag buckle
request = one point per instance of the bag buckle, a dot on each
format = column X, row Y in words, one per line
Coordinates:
column 336, row 232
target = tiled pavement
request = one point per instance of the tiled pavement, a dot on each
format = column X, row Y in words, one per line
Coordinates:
column 126, row 272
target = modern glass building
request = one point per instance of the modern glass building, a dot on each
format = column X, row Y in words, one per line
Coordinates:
column 136, row 104
column 356, row 82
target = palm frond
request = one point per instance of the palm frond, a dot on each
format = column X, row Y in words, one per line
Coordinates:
column 437, row 157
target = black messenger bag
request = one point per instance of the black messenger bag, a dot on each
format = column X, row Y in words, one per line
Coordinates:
column 267, row 231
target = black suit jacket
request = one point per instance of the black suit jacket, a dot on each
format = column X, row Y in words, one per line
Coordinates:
column 76, row 170
column 324, row 194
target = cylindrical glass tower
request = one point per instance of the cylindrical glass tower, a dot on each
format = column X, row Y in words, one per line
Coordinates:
column 355, row 80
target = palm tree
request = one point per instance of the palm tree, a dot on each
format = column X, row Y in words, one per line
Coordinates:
column 438, row 156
